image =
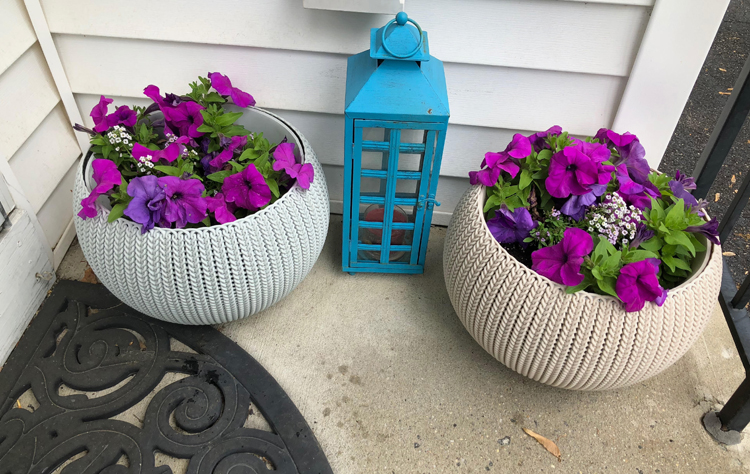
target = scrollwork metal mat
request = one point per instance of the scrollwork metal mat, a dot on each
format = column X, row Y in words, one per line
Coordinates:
column 86, row 359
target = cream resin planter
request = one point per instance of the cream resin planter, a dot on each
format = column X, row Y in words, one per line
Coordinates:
column 582, row 341
column 212, row 275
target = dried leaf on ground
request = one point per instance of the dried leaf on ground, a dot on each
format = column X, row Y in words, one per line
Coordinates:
column 89, row 276
column 729, row 254
column 549, row 445
column 716, row 198
column 734, row 179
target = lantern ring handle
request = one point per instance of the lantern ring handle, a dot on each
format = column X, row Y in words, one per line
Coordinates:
column 412, row 52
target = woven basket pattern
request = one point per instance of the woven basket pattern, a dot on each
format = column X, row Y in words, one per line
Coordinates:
column 215, row 274
column 581, row 341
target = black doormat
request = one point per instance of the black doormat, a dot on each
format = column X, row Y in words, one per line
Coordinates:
column 87, row 358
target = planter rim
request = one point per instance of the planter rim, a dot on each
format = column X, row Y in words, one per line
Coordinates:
column 479, row 203
column 104, row 212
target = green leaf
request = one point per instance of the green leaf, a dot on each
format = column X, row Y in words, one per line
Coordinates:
column 699, row 247
column 214, row 97
column 99, row 140
column 205, row 128
column 106, row 150
column 525, row 180
column 587, row 281
column 544, row 155
column 236, row 167
column 168, row 170
column 669, row 261
column 597, row 273
column 638, row 255
column 206, row 221
column 116, row 212
column 613, row 261
column 654, row 244
column 607, row 285
column 675, row 219
column 236, row 130
column 600, row 251
column 274, row 187
column 681, row 238
column 249, row 154
column 492, row 202
column 220, row 175
column 227, row 119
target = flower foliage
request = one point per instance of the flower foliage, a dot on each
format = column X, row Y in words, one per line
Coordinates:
column 594, row 215
column 183, row 161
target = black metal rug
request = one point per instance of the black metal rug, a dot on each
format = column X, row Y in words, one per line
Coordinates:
column 86, row 358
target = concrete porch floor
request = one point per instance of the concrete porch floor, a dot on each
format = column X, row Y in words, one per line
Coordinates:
column 389, row 380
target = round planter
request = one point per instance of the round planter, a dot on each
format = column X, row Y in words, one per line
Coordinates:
column 581, row 341
column 212, row 275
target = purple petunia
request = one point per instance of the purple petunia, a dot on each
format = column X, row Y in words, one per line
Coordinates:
column 235, row 143
column 511, row 227
column 223, row 210
column 638, row 283
column 571, row 172
column 184, row 200
column 247, row 189
column 99, row 114
column 285, row 160
column 106, row 177
column 710, row 230
column 642, row 234
column 539, row 140
column 561, row 263
column 148, row 204
column 495, row 163
column 187, row 117
column 223, row 86
column 680, row 186
column 575, row 207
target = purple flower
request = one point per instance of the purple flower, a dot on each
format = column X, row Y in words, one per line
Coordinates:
column 495, row 163
column 223, row 86
column 638, row 283
column 186, row 117
column 170, row 153
column 680, row 186
column 247, row 189
column 575, row 207
column 561, row 263
column 152, row 92
column 710, row 230
column 285, row 160
column 106, row 177
column 223, row 210
column 510, row 227
column 184, row 200
column 99, row 114
column 538, row 140
column 571, row 172
column 642, row 234
column 124, row 115
column 632, row 169
column 235, row 142
column 148, row 203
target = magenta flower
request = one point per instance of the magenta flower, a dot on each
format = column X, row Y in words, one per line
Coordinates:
column 99, row 114
column 148, row 203
column 638, row 283
column 561, row 263
column 494, row 163
column 106, row 177
column 710, row 230
column 642, row 234
column 153, row 93
column 247, row 189
column 170, row 153
column 539, row 140
column 511, row 227
column 639, row 195
column 236, row 142
column 285, row 160
column 223, row 86
column 576, row 206
column 186, row 117
column 223, row 210
column 184, row 200
column 680, row 186
column 571, row 172
column 124, row 115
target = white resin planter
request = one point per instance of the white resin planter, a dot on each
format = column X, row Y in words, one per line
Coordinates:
column 212, row 275
column 581, row 341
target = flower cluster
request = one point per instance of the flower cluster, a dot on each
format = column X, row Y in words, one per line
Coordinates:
column 593, row 215
column 184, row 161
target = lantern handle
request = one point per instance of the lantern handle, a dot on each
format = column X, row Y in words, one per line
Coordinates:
column 402, row 18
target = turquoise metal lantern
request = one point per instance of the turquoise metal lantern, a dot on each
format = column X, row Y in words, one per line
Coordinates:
column 396, row 118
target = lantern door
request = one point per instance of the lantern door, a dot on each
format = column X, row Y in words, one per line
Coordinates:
column 390, row 194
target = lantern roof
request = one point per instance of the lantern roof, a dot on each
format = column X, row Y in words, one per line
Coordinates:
column 397, row 79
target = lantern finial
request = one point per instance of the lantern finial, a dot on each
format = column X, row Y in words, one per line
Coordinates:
column 400, row 41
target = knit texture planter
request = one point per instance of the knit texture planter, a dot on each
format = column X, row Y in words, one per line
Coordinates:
column 214, row 274
column 582, row 341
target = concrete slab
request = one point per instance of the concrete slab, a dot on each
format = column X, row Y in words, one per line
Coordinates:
column 391, row 382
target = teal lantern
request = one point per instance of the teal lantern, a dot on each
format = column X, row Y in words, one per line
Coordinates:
column 396, row 118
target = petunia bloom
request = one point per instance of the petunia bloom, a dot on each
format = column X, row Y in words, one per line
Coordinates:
column 575, row 207
column 99, row 114
column 106, row 177
column 571, row 172
column 247, row 189
column 148, row 203
column 511, row 227
column 235, row 143
column 285, row 160
column 539, row 140
column 186, row 117
column 638, row 283
column 680, row 186
column 642, row 234
column 495, row 163
column 710, row 230
column 223, row 211
column 223, row 86
column 184, row 200
column 561, row 263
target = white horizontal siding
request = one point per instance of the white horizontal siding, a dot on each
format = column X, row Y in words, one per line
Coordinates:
column 584, row 37
column 315, row 82
column 45, row 157
column 57, row 211
column 27, row 96
column 16, row 33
